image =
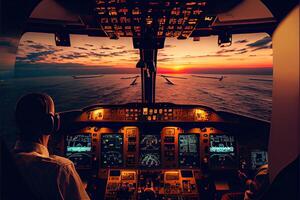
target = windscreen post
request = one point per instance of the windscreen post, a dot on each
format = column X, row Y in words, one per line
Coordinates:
column 148, row 75
column 148, row 45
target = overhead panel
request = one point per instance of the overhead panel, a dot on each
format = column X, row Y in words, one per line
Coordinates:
column 174, row 18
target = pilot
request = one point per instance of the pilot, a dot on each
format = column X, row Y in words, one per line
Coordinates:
column 256, row 187
column 47, row 176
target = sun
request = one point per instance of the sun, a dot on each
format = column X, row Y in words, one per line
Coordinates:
column 177, row 68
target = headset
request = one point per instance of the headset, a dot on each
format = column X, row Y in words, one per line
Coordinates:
column 45, row 123
column 50, row 122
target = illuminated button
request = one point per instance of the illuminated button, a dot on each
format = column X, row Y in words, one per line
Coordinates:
column 165, row 110
column 150, row 111
column 145, row 111
column 160, row 111
column 136, row 118
column 170, row 110
column 149, row 118
column 166, row 118
column 131, row 110
column 154, row 117
column 155, row 111
column 127, row 110
column 135, row 110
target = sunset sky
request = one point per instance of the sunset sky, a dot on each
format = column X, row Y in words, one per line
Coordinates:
column 178, row 56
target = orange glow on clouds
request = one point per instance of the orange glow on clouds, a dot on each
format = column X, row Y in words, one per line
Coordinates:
column 178, row 56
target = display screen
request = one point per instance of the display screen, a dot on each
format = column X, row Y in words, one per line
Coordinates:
column 78, row 143
column 222, row 151
column 258, row 158
column 189, row 150
column 150, row 150
column 78, row 149
column 112, row 150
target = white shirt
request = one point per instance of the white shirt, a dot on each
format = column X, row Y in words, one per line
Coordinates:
column 48, row 176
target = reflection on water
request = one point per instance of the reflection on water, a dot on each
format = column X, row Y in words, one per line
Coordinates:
column 235, row 93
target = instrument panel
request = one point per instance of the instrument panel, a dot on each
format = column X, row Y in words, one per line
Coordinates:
column 162, row 150
column 155, row 113
column 78, row 148
column 150, row 151
column 169, row 147
column 222, row 151
column 112, row 150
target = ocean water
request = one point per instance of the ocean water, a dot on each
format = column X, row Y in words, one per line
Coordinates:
column 235, row 93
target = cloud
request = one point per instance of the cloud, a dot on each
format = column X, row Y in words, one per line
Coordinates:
column 119, row 47
column 214, row 55
column 241, row 41
column 105, row 48
column 89, row 45
column 73, row 55
column 207, row 55
column 241, row 51
column 263, row 47
column 170, row 46
column 165, row 59
column 261, row 42
column 81, row 48
column 225, row 51
column 35, row 56
column 100, row 54
column 235, row 59
column 37, row 46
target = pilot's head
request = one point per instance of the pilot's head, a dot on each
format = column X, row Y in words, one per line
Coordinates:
column 35, row 116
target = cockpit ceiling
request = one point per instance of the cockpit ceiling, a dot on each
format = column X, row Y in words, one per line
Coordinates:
column 167, row 18
column 128, row 18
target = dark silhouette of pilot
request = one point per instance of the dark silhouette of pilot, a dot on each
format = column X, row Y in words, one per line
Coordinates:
column 46, row 176
column 256, row 187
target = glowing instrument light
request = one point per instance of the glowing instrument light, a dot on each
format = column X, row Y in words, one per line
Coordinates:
column 221, row 149
column 207, row 18
column 79, row 149
column 97, row 114
column 201, row 115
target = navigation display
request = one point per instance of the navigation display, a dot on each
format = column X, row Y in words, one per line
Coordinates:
column 189, row 150
column 258, row 158
column 78, row 149
column 150, row 150
column 112, row 150
column 222, row 151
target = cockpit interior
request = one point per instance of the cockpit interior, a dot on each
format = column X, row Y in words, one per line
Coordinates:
column 164, row 150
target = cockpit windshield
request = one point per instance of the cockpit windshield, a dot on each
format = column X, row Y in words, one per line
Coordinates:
column 96, row 70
